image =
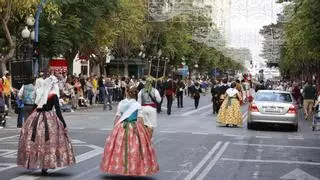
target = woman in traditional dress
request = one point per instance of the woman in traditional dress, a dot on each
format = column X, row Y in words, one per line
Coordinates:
column 128, row 150
column 230, row 113
column 44, row 141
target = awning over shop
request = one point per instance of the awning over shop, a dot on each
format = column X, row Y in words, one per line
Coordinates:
column 58, row 64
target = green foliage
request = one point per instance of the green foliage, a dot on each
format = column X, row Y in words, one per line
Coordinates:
column 74, row 29
column 302, row 40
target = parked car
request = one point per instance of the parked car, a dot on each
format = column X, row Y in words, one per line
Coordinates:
column 273, row 106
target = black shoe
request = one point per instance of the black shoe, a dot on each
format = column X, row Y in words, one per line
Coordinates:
column 44, row 172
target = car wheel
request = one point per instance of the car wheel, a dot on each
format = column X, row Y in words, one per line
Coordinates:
column 250, row 125
column 295, row 128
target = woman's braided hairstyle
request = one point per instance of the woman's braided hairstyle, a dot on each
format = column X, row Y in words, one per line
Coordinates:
column 132, row 92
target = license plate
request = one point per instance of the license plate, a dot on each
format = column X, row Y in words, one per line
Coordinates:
column 272, row 110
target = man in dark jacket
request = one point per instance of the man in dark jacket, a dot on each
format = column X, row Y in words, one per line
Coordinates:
column 215, row 99
column 179, row 89
column 141, row 84
column 161, row 89
column 221, row 92
column 260, row 86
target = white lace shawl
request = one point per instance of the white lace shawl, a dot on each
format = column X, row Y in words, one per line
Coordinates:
column 49, row 86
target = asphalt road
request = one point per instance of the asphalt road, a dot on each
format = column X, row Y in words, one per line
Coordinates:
column 189, row 145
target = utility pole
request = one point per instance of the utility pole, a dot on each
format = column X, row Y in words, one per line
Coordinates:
column 165, row 66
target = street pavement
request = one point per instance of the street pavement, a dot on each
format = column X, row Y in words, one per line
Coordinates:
column 189, row 145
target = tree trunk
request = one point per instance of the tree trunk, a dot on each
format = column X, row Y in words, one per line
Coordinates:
column 3, row 67
column 12, row 45
column 126, row 67
column 102, row 68
column 70, row 55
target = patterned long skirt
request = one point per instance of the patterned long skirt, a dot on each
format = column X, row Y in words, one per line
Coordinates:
column 128, row 151
column 44, row 143
column 230, row 113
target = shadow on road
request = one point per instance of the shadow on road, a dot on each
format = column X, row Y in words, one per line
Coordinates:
column 112, row 177
column 273, row 127
column 51, row 174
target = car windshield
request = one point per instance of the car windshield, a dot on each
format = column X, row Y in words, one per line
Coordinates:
column 273, row 96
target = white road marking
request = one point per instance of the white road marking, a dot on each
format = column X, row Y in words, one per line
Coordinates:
column 272, row 161
column 296, row 138
column 157, row 141
column 7, row 153
column 77, row 128
column 172, row 132
column 264, row 137
column 76, row 141
column 206, row 114
column 9, row 137
column 196, row 110
column 213, row 162
column 298, row 174
column 230, row 135
column 8, row 142
column 83, row 157
column 276, row 146
column 105, row 129
column 203, row 161
column 255, row 175
column 200, row 133
column 6, row 166
column 89, row 113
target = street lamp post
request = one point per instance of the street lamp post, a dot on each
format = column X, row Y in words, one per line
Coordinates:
column 29, row 37
column 150, row 64
column 142, row 55
column 165, row 66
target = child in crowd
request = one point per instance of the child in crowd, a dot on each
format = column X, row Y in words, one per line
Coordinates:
column 65, row 105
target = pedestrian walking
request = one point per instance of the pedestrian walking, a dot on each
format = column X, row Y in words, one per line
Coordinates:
column 134, row 155
column 44, row 140
column 149, row 97
column 27, row 95
column 2, row 106
column 90, row 90
column 7, row 88
column 196, row 94
column 309, row 96
column 215, row 98
column 230, row 113
column 179, row 90
column 170, row 93
column 161, row 89
column 109, row 86
column 222, row 92
column 25, row 98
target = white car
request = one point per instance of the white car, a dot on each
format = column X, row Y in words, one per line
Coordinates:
column 273, row 106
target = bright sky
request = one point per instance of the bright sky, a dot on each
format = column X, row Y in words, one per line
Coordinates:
column 246, row 19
